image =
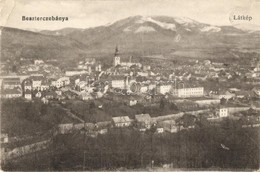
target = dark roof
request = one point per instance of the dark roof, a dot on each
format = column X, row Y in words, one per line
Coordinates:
column 142, row 117
column 116, row 77
column 37, row 78
column 27, row 91
column 11, row 80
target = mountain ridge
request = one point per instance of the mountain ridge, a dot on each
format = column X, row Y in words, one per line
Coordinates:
column 138, row 35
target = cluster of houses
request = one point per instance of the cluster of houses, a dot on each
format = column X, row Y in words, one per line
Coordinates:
column 142, row 122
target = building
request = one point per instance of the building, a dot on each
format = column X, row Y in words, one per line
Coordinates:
column 28, row 94
column 223, row 112
column 11, row 83
column 38, row 94
column 38, row 62
column 118, row 81
column 86, row 96
column 163, row 89
column 45, row 85
column 143, row 121
column 117, row 61
column 75, row 72
column 36, row 82
column 11, row 93
column 121, row 121
column 27, row 84
column 189, row 92
column 63, row 81
column 50, row 95
column 169, row 125
column 222, row 94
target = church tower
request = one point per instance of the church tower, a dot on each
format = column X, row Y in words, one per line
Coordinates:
column 116, row 58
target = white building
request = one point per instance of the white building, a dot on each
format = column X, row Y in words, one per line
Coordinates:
column 163, row 89
column 75, row 72
column 189, row 92
column 37, row 62
column 223, row 112
column 28, row 95
column 118, row 81
column 121, row 121
column 63, row 81
column 11, row 93
column 37, row 82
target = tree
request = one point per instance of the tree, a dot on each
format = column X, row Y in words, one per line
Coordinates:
column 223, row 101
column 162, row 103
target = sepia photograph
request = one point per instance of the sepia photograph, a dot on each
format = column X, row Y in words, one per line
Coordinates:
column 130, row 85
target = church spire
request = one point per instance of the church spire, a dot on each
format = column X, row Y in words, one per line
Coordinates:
column 116, row 51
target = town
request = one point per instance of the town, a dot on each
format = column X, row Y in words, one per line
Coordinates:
column 93, row 99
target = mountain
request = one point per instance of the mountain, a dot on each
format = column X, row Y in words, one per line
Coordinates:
column 18, row 44
column 62, row 32
column 248, row 27
column 137, row 36
column 162, row 35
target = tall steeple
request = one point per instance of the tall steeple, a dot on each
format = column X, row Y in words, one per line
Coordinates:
column 116, row 51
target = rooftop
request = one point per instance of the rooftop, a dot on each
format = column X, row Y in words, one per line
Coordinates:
column 142, row 117
column 121, row 119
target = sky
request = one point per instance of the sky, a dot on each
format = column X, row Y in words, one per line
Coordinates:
column 91, row 13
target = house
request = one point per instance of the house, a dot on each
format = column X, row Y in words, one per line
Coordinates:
column 223, row 112
column 143, row 121
column 144, row 88
column 103, row 131
column 132, row 102
column 222, row 94
column 118, row 81
column 159, row 129
column 11, row 83
column 165, row 88
column 27, row 84
column 63, row 81
column 86, row 96
column 65, row 127
column 38, row 94
column 11, row 93
column 168, row 125
column 75, row 72
column 28, row 95
column 38, row 62
column 36, row 82
column 50, row 95
column 45, row 85
column 121, row 121
column 45, row 100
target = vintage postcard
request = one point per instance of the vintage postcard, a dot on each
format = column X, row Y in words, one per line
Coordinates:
column 130, row 85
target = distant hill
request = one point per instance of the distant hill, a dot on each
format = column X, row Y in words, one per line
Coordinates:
column 18, row 43
column 137, row 35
